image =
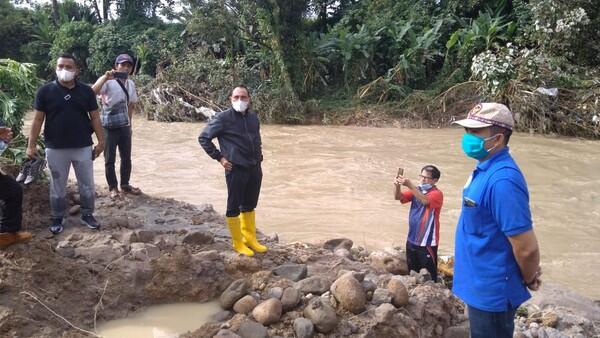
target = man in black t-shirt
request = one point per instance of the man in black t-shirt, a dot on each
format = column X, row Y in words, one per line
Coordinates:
column 69, row 112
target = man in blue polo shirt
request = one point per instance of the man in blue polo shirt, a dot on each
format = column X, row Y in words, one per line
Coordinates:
column 496, row 251
column 69, row 112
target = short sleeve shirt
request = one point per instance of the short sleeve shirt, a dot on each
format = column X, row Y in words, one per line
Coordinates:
column 495, row 206
column 67, row 120
column 424, row 220
column 115, row 112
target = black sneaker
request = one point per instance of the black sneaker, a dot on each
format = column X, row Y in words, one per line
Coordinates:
column 57, row 226
column 90, row 221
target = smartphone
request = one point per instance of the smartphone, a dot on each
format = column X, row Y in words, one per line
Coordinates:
column 400, row 172
column 120, row 75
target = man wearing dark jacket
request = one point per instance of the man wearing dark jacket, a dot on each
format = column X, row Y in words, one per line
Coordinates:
column 240, row 153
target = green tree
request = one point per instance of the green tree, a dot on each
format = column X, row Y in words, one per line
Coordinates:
column 73, row 37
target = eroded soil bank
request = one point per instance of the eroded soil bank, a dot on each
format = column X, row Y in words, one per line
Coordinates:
column 156, row 251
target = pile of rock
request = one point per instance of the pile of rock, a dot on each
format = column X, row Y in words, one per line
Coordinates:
column 366, row 300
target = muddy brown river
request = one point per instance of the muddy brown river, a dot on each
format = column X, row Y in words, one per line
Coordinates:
column 322, row 182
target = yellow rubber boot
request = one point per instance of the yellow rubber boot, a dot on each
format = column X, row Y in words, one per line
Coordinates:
column 237, row 241
column 249, row 231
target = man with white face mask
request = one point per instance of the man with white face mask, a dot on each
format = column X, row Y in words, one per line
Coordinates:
column 497, row 257
column 240, row 154
column 69, row 112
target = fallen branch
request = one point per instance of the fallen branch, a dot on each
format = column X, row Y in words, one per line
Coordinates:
column 99, row 304
column 59, row 316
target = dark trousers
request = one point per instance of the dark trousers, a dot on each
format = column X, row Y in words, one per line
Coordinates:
column 117, row 138
column 11, row 202
column 243, row 189
column 485, row 324
column 419, row 257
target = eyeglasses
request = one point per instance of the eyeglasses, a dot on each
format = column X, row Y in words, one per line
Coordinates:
column 425, row 177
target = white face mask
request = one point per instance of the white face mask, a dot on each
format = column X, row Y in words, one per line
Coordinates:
column 240, row 105
column 65, row 75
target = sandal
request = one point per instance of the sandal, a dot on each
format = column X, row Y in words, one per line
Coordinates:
column 129, row 189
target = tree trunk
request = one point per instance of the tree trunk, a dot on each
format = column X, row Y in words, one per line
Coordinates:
column 96, row 10
column 273, row 30
column 55, row 12
column 105, row 6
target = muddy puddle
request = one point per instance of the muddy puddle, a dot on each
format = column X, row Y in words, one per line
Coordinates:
column 160, row 321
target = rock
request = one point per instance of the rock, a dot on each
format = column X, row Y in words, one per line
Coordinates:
column 381, row 296
column 245, row 305
column 198, row 238
column 338, row 243
column 303, row 328
column 268, row 312
column 386, row 262
column 341, row 252
column 293, row 272
column 65, row 249
column 251, row 329
column 359, row 276
column 349, row 293
column 145, row 236
column 313, row 284
column 425, row 275
column 290, row 299
column 144, row 251
column 100, row 253
column 221, row 316
column 275, row 292
column 321, row 314
column 233, row 293
column 368, row 285
column 457, row 332
column 384, row 313
column 398, row 291
column 74, row 210
column 550, row 319
column 224, row 333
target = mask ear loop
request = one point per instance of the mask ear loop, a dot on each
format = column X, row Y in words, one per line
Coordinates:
column 489, row 138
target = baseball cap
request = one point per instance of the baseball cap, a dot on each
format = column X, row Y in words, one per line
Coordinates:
column 488, row 114
column 123, row 58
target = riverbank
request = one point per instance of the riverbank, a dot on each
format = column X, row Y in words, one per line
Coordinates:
column 156, row 251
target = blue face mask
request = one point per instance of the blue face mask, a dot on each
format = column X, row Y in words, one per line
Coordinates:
column 425, row 187
column 473, row 146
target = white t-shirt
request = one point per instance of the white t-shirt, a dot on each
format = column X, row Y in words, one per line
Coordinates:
column 114, row 103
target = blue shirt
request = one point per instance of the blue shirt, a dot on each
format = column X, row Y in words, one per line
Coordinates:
column 495, row 206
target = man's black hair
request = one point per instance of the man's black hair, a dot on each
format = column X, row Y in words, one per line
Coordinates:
column 240, row 86
column 433, row 171
column 68, row 56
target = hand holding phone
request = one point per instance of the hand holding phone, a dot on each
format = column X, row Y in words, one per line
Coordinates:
column 120, row 75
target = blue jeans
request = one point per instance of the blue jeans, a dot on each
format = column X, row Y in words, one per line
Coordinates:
column 485, row 324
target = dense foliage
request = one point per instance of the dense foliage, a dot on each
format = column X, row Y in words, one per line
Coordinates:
column 426, row 59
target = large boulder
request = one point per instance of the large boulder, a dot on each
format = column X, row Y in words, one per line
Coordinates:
column 290, row 299
column 233, row 293
column 268, row 312
column 251, row 329
column 314, row 284
column 245, row 305
column 303, row 328
column 398, row 291
column 349, row 293
column 338, row 243
column 321, row 314
column 293, row 272
column 383, row 261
